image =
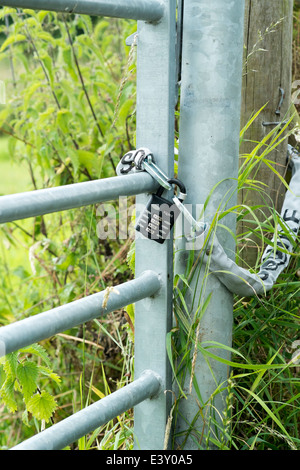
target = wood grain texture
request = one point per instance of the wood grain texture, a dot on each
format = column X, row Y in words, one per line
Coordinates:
column 267, row 68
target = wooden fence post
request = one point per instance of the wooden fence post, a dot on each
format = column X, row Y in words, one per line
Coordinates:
column 266, row 79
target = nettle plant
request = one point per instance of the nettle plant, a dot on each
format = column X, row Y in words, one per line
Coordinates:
column 69, row 116
column 21, row 376
column 64, row 93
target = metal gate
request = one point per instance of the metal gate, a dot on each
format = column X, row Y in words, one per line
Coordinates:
column 156, row 91
column 158, row 64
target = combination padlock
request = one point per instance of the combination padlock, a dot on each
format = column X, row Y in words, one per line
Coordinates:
column 160, row 214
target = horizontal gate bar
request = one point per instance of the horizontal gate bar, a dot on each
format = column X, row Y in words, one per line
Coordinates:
column 147, row 10
column 87, row 420
column 44, row 325
column 45, row 201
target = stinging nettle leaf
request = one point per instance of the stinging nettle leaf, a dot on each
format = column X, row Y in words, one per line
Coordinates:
column 7, row 395
column 42, row 406
column 49, row 373
column 10, row 364
column 27, row 374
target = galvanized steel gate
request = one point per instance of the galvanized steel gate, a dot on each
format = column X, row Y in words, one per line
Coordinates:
column 159, row 43
column 156, row 92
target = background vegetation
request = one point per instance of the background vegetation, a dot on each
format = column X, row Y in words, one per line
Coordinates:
column 69, row 117
column 65, row 121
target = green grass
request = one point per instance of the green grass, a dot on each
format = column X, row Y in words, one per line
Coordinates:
column 262, row 405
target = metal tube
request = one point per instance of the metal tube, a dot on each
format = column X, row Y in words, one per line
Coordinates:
column 208, row 164
column 156, row 99
column 44, row 325
column 147, row 10
column 45, row 201
column 87, row 420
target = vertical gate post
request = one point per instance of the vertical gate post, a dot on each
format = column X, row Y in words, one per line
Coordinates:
column 156, row 70
column 208, row 154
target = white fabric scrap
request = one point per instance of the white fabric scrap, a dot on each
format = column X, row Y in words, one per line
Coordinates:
column 239, row 280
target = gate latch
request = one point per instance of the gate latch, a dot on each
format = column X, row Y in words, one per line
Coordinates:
column 160, row 214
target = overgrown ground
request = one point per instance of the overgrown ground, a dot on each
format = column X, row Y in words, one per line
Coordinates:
column 70, row 116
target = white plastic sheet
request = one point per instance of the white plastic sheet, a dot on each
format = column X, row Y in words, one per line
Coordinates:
column 274, row 260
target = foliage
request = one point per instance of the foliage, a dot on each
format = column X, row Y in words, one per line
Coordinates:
column 69, row 117
column 261, row 398
column 20, row 374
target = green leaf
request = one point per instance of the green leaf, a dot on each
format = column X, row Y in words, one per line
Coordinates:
column 256, row 367
column 49, row 67
column 90, row 160
column 261, row 373
column 44, row 116
column 10, row 364
column 12, row 39
column 74, row 160
column 29, row 92
column 27, row 374
column 63, row 263
column 170, row 355
column 21, row 272
column 38, row 350
column 248, row 124
column 42, row 405
column 6, row 11
column 45, row 35
column 41, row 15
column 7, row 394
column 69, row 61
column 29, row 11
column 267, row 409
column 62, row 119
column 125, row 110
column 49, row 373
